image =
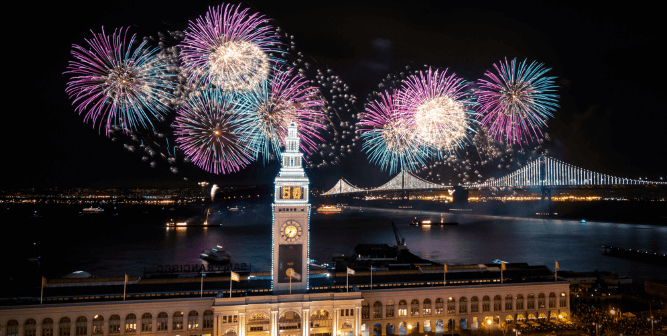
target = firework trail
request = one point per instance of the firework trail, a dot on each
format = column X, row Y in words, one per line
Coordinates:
column 213, row 132
column 287, row 97
column 118, row 86
column 229, row 48
column 516, row 103
column 388, row 137
column 440, row 109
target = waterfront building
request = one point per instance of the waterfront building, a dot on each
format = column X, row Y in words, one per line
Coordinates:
column 398, row 303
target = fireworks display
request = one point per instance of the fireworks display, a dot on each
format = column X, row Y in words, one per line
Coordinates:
column 287, row 97
column 229, row 48
column 214, row 133
column 117, row 86
column 516, row 102
column 388, row 137
column 439, row 107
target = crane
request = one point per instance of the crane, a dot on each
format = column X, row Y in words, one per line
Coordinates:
column 400, row 241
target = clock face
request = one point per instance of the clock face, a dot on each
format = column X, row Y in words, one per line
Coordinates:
column 291, row 192
column 291, row 231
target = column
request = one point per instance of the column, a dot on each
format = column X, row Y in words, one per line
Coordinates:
column 502, row 305
column 274, row 323
column 89, row 327
column 421, row 310
column 456, row 306
column 305, row 321
column 384, row 311
column 241, row 324
column 122, row 325
column 72, row 327
column 170, row 322
column 38, row 329
column 335, row 321
column 105, row 332
column 153, row 324
column 200, row 321
column 215, row 324
column 357, row 319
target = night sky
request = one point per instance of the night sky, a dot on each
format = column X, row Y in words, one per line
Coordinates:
column 612, row 117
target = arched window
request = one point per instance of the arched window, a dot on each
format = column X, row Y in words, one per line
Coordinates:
column 439, row 306
column 193, row 320
column 496, row 303
column 12, row 328
column 47, row 327
column 519, row 302
column 230, row 332
column 208, row 319
column 81, row 326
column 365, row 310
column 30, row 327
column 147, row 322
column 530, row 301
column 320, row 319
column 486, row 303
column 508, row 302
column 377, row 309
column 402, row 308
column 131, row 323
column 563, row 300
column 552, row 300
column 289, row 321
column 540, row 300
column 451, row 305
column 474, row 305
column 258, row 322
column 114, row 324
column 162, row 321
column 98, row 325
column 63, row 327
column 463, row 305
column 177, row 321
column 414, row 307
column 390, row 308
column 426, row 307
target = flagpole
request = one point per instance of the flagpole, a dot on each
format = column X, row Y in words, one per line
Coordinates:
column 124, row 287
column 202, row 286
column 371, row 277
column 444, row 283
column 290, row 285
column 41, row 295
column 230, row 284
column 347, row 278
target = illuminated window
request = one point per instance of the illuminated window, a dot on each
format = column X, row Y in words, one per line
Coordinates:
column 451, row 305
column 162, row 321
column 496, row 303
column 402, row 308
column 552, row 300
column 130, row 323
column 193, row 320
column 47, row 327
column 98, row 325
column 177, row 322
column 390, row 308
column 63, row 327
column 519, row 302
column 474, row 305
column 114, row 324
column 365, row 310
column 30, row 327
column 208, row 319
column 563, row 300
column 146, row 322
column 81, row 326
column 540, row 300
column 414, row 308
column 530, row 302
column 439, row 306
column 426, row 308
column 508, row 302
column 463, row 305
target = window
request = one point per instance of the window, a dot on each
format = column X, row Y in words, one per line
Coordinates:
column 147, row 322
column 98, row 325
column 390, row 308
column 451, row 305
column 377, row 309
column 563, row 300
column 114, row 324
column 289, row 321
column 414, row 308
column 496, row 303
column 12, row 328
column 162, row 321
column 402, row 308
column 321, row 318
column 193, row 320
column 531, row 301
column 29, row 327
column 426, row 308
column 552, row 300
column 130, row 323
column 47, row 327
column 486, row 303
column 208, row 319
column 365, row 310
column 463, row 305
column 474, row 305
column 508, row 302
column 257, row 322
column 519, row 302
column 540, row 300
column 439, row 306
column 63, row 327
column 81, row 326
column 177, row 322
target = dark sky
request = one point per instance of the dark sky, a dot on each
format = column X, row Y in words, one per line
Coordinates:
column 611, row 118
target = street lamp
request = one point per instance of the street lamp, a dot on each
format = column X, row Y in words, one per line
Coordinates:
column 652, row 320
column 596, row 329
column 488, row 322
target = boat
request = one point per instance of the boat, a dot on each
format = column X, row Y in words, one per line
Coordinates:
column 330, row 209
column 177, row 224
column 234, row 209
column 430, row 221
column 217, row 255
column 93, row 210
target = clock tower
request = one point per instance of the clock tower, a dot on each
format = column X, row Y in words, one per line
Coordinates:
column 291, row 221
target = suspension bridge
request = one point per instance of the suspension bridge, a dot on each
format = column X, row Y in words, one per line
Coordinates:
column 542, row 173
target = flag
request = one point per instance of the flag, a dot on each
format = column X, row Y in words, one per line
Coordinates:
column 557, row 266
column 350, row 271
column 293, row 274
column 503, row 267
column 446, row 268
column 235, row 277
column 373, row 269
